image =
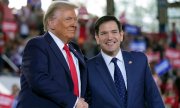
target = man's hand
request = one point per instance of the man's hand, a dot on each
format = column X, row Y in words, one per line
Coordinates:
column 81, row 103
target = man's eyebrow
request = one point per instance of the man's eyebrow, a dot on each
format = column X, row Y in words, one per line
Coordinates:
column 115, row 30
column 103, row 32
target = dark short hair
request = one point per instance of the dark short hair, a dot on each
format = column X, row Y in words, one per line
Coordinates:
column 104, row 19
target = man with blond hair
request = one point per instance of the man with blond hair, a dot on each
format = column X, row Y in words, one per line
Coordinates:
column 53, row 72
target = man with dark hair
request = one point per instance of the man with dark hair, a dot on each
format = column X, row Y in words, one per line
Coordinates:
column 119, row 79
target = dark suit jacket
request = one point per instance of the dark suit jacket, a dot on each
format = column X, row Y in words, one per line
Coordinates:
column 46, row 80
column 141, row 88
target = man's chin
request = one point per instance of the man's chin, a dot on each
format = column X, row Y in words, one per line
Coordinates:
column 71, row 36
column 110, row 52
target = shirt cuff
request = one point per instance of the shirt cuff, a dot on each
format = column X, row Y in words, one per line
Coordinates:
column 76, row 103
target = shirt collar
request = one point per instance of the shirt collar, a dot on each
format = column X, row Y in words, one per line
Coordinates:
column 58, row 41
column 108, row 58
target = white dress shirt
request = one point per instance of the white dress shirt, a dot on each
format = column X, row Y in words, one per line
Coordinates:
column 60, row 44
column 120, row 63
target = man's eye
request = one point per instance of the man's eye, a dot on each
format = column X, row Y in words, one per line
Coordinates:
column 115, row 31
column 103, row 33
column 68, row 18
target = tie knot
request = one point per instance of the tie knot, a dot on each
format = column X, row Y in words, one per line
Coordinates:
column 66, row 48
column 114, row 60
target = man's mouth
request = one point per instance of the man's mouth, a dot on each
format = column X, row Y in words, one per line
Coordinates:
column 110, row 43
column 71, row 31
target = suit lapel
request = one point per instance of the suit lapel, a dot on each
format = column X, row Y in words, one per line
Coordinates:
column 128, row 62
column 80, row 58
column 57, row 52
column 62, row 60
column 105, row 74
column 82, row 68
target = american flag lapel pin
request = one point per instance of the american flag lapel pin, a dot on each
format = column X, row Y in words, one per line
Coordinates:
column 130, row 62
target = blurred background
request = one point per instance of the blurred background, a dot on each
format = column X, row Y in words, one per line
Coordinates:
column 150, row 26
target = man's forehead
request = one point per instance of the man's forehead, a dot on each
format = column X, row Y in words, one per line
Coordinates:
column 64, row 12
column 108, row 25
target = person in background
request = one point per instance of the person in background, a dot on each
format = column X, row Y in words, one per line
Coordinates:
column 174, row 36
column 53, row 71
column 15, row 92
column 116, row 78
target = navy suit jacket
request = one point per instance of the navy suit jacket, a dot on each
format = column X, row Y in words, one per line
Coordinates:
column 141, row 88
column 46, row 80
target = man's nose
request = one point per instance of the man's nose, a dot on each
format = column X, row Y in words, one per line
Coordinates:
column 74, row 22
column 110, row 35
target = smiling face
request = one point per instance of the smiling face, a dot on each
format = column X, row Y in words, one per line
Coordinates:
column 109, row 38
column 64, row 24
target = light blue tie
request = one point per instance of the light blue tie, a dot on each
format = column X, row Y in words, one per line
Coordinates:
column 119, row 83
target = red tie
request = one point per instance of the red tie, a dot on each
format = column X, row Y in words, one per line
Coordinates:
column 72, row 70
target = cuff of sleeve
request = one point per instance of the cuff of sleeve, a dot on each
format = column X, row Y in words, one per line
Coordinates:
column 76, row 103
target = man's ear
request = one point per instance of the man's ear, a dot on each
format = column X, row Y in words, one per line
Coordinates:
column 97, row 39
column 122, row 35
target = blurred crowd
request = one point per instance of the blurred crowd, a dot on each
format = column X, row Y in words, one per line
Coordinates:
column 162, row 49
